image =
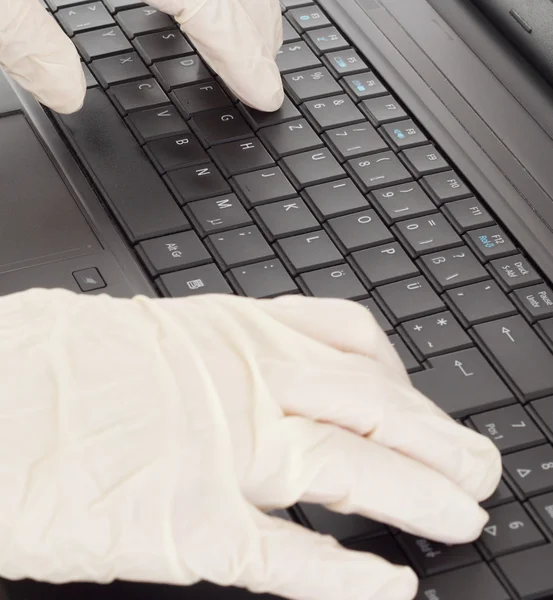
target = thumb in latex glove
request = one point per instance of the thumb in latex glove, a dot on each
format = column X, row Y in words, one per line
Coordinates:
column 238, row 39
column 140, row 439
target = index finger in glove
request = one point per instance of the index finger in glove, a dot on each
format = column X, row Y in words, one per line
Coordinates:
column 40, row 57
column 239, row 40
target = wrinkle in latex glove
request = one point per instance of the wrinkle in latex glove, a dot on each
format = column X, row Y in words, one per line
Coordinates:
column 239, row 39
column 142, row 439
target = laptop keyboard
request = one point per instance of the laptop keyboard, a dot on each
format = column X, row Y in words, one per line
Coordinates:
column 340, row 193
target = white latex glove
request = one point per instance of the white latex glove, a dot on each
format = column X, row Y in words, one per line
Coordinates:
column 238, row 39
column 139, row 440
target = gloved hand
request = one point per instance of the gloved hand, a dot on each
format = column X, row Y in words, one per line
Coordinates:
column 238, row 39
column 141, row 440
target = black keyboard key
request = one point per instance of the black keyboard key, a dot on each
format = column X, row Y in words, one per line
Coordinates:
column 333, row 282
column 529, row 572
column 410, row 299
column 408, row 359
column 218, row 214
column 379, row 316
column 155, row 123
column 377, row 170
column 173, row 252
column 355, row 140
column 162, row 45
column 263, row 280
column 468, row 214
column 286, row 4
column 176, row 151
column 453, row 268
column 384, row 264
column 308, row 251
column 260, row 187
column 289, row 34
column 55, row 4
column 545, row 328
column 308, row 168
column 334, row 199
column 359, row 230
column 307, row 18
column 202, row 96
column 197, row 183
column 234, row 158
column 239, row 247
column 502, row 495
column 445, row 187
column 462, row 584
column 142, row 204
column 510, row 428
column 257, row 118
column 138, row 94
column 221, row 125
column 194, row 282
column 430, row 558
column 427, row 234
column 84, row 17
column 116, row 5
column 480, row 302
column 437, row 334
column 143, row 20
column 296, row 56
column 403, row 134
column 345, row 62
column 400, row 202
column 102, row 42
column 363, row 86
column 339, row 526
column 290, row 138
column 514, row 272
column 185, row 70
column 326, row 39
column 544, row 410
column 511, row 341
column 424, row 160
column 535, row 302
column 384, row 109
column 327, row 113
column 284, row 218
column 462, row 384
column 118, row 69
column 532, row 469
column 543, row 507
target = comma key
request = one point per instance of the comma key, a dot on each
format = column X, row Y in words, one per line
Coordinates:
column 463, row 383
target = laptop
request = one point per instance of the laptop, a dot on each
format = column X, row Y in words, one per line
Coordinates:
column 409, row 169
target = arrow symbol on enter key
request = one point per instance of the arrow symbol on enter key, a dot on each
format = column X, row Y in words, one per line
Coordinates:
column 460, row 366
column 507, row 332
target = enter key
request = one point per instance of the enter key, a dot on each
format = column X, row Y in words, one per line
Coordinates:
column 462, row 383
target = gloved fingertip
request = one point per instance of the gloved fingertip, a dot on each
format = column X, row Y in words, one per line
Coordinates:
column 492, row 474
column 72, row 101
column 462, row 521
column 403, row 586
column 267, row 97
